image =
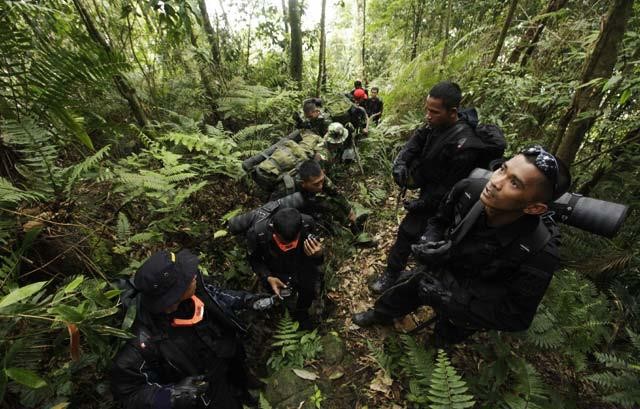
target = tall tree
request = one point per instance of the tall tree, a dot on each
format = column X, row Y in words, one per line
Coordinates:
column 582, row 113
column 212, row 35
column 295, row 52
column 417, row 6
column 445, row 48
column 527, row 44
column 322, row 62
column 364, row 40
column 126, row 90
column 503, row 33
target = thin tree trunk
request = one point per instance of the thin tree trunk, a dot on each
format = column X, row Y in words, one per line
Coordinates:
column 418, row 7
column 205, row 79
column 212, row 35
column 503, row 33
column 582, row 113
column 445, row 49
column 285, row 17
column 122, row 84
column 295, row 54
column 364, row 40
column 249, row 41
column 321, row 51
column 530, row 38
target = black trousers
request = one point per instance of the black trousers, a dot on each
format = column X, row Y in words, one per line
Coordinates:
column 409, row 232
column 308, row 284
column 404, row 297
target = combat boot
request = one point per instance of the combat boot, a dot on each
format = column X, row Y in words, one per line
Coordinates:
column 370, row 317
column 383, row 282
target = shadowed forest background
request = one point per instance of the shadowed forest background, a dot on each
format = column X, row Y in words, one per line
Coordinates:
column 123, row 124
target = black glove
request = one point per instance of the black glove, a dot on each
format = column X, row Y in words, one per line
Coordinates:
column 400, row 174
column 414, row 205
column 431, row 252
column 432, row 292
column 186, row 393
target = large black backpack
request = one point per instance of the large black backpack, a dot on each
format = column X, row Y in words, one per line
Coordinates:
column 490, row 142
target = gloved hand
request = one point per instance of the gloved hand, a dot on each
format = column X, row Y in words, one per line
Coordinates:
column 413, row 205
column 186, row 393
column 432, row 292
column 400, row 174
column 431, row 252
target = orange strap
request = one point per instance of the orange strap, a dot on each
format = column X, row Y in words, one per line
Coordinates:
column 198, row 314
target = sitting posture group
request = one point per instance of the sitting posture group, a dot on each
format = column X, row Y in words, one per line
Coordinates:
column 485, row 257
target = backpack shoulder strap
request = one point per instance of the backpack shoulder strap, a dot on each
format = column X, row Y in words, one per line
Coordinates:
column 289, row 183
column 530, row 244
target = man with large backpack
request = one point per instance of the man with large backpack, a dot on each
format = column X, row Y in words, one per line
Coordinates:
column 186, row 353
column 487, row 256
column 315, row 119
column 437, row 155
column 285, row 254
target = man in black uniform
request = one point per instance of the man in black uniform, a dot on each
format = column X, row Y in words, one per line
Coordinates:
column 284, row 254
column 322, row 200
column 434, row 159
column 488, row 255
column 185, row 353
column 374, row 106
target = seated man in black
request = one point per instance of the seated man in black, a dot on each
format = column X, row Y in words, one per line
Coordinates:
column 322, row 200
column 488, row 256
column 435, row 158
column 284, row 254
column 185, row 353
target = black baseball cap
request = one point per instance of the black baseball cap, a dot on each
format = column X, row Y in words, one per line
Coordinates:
column 164, row 277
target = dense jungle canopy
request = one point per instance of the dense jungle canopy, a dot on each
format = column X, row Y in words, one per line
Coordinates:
column 123, row 125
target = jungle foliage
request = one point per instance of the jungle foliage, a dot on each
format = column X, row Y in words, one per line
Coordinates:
column 122, row 128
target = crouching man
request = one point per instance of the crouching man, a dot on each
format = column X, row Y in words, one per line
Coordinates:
column 185, row 353
column 487, row 256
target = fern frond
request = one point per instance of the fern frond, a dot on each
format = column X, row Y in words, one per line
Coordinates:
column 447, row 390
column 75, row 172
column 11, row 195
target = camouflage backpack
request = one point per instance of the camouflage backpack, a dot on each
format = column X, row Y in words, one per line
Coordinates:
column 283, row 162
column 339, row 108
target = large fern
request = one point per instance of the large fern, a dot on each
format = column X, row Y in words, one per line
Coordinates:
column 447, row 389
column 294, row 346
column 621, row 379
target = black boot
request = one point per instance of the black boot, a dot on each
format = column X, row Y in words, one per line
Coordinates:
column 369, row 318
column 383, row 282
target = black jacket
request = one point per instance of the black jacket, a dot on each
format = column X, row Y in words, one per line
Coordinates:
column 438, row 159
column 266, row 260
column 495, row 285
column 160, row 355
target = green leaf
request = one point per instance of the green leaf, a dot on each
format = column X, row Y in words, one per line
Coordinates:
column 626, row 94
column 74, row 284
column 25, row 377
column 220, row 233
column 21, row 293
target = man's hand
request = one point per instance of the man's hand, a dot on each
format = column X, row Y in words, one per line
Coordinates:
column 413, row 205
column 276, row 285
column 352, row 216
column 432, row 251
column 312, row 247
column 187, row 392
column 400, row 174
column 432, row 292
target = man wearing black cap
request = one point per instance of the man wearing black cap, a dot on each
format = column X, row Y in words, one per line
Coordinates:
column 284, row 254
column 488, row 256
column 185, row 353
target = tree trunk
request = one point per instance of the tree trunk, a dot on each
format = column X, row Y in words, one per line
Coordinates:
column 321, row 52
column 285, row 17
column 205, row 78
column 122, row 84
column 295, row 54
column 364, row 41
column 212, row 36
column 503, row 33
column 445, row 50
column 586, row 100
column 418, row 11
column 531, row 36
